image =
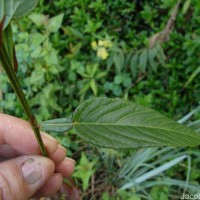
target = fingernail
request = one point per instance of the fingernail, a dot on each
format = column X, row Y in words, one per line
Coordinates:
column 63, row 148
column 31, row 170
column 70, row 160
column 49, row 137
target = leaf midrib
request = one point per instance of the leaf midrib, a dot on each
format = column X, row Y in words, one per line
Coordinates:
column 136, row 126
column 63, row 124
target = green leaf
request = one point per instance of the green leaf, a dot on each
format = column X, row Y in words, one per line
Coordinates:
column 84, row 171
column 15, row 8
column 93, row 86
column 100, row 75
column 118, row 59
column 133, row 65
column 72, row 31
column 160, row 54
column 143, row 60
column 119, row 123
column 38, row 19
column 186, row 5
column 151, row 56
column 57, row 125
column 195, row 125
column 118, row 79
column 192, row 76
column 127, row 59
column 55, row 23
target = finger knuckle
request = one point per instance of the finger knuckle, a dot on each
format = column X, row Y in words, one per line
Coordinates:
column 5, row 190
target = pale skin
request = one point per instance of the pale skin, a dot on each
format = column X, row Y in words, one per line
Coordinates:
column 24, row 172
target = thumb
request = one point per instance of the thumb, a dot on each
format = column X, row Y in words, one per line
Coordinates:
column 21, row 177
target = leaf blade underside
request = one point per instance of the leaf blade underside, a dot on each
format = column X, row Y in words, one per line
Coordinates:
column 117, row 123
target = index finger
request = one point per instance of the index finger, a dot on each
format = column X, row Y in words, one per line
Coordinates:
column 19, row 135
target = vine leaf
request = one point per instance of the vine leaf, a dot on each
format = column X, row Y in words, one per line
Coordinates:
column 118, row 123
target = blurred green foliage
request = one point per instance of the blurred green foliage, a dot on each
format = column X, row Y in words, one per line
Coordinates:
column 72, row 50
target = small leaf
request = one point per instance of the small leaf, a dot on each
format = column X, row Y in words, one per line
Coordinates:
column 72, row 31
column 160, row 54
column 57, row 125
column 192, row 76
column 93, row 86
column 118, row 123
column 100, row 75
column 55, row 23
column 133, row 65
column 143, row 60
column 186, row 5
column 84, row 171
column 85, row 88
column 118, row 59
column 195, row 126
column 127, row 59
column 38, row 19
column 151, row 56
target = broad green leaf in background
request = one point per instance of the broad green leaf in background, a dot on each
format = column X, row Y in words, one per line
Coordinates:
column 119, row 123
column 57, row 125
column 12, row 9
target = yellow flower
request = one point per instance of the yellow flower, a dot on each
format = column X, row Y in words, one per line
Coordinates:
column 101, row 43
column 105, row 43
column 94, row 45
column 102, row 53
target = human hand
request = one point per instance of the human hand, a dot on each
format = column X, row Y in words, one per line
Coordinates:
column 24, row 172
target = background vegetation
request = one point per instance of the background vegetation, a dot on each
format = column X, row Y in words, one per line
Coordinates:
column 73, row 50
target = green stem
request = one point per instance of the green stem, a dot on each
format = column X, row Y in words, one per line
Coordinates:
column 7, row 65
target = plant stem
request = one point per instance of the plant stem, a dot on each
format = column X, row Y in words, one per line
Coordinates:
column 7, row 65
